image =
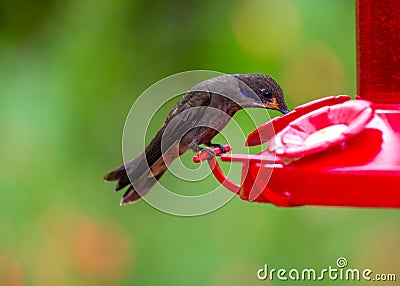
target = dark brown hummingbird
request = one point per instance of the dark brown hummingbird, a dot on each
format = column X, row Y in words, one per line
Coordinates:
column 195, row 120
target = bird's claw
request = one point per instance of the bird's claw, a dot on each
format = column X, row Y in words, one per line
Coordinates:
column 220, row 146
column 210, row 152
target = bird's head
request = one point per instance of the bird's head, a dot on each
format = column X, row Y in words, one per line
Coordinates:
column 262, row 91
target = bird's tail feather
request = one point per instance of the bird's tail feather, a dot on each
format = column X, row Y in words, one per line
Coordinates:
column 120, row 175
column 139, row 182
column 115, row 174
column 143, row 172
column 143, row 185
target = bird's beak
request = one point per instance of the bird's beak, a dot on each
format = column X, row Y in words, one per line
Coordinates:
column 275, row 106
column 272, row 104
column 284, row 111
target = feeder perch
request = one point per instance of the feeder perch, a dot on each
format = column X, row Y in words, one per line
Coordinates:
column 334, row 151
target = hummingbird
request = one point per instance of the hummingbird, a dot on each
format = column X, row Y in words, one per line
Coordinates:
column 195, row 120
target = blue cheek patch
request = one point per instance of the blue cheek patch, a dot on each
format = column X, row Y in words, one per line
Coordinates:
column 245, row 93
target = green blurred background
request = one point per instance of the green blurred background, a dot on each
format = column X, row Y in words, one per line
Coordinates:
column 70, row 71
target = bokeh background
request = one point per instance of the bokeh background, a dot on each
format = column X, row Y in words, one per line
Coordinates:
column 70, row 71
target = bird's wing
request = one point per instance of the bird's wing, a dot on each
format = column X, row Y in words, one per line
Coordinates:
column 186, row 113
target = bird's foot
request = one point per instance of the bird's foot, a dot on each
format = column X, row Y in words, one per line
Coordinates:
column 220, row 146
column 210, row 152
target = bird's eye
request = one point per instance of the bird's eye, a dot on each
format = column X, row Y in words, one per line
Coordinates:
column 267, row 94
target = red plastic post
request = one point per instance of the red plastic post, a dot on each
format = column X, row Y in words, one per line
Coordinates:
column 222, row 178
column 215, row 168
column 378, row 50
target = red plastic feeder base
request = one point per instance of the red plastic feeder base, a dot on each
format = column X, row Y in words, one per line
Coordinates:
column 330, row 152
column 336, row 151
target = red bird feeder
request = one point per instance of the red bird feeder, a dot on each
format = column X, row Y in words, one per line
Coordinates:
column 334, row 151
